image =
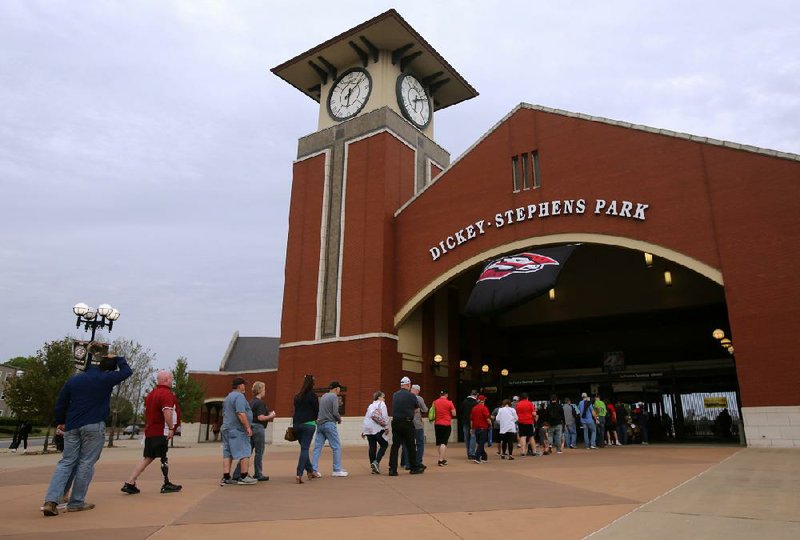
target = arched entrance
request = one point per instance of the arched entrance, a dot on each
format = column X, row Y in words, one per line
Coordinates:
column 615, row 326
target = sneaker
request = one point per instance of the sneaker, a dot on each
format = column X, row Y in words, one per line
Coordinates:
column 375, row 467
column 227, row 482
column 417, row 471
column 502, row 456
column 393, row 472
column 263, row 478
column 643, row 444
column 341, row 473
column 593, row 447
column 314, row 474
column 440, row 463
column 247, row 481
column 131, row 489
column 49, row 508
column 81, row 508
column 170, row 488
column 510, row 458
column 444, row 462
column 484, row 460
column 559, row 452
column 477, row 461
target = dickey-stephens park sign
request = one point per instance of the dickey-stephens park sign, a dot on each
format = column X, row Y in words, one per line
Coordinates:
column 621, row 209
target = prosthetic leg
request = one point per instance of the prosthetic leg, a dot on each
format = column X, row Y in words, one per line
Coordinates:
column 168, row 486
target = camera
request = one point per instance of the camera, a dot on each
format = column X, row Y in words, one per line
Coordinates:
column 92, row 353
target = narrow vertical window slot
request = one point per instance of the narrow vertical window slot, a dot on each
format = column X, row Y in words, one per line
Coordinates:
column 526, row 180
column 515, row 172
column 537, row 173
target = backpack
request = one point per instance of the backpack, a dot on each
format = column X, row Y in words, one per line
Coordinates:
column 432, row 413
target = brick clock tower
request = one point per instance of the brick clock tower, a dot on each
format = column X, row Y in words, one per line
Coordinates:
column 378, row 86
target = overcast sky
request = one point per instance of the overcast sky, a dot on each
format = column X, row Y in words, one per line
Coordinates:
column 146, row 149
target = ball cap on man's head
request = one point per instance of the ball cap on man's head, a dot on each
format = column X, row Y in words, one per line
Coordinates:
column 481, row 398
column 237, row 381
column 444, row 392
column 405, row 380
column 334, row 384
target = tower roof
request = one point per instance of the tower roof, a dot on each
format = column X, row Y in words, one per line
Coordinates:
column 388, row 31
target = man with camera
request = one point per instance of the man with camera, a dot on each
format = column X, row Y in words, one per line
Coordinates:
column 81, row 410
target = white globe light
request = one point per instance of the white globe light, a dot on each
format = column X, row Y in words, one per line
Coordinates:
column 718, row 333
column 104, row 309
column 438, row 358
column 114, row 315
column 90, row 314
column 80, row 308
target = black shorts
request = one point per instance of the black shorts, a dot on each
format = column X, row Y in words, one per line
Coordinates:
column 526, row 430
column 156, row 447
column 442, row 434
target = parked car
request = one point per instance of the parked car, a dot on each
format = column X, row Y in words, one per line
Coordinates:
column 131, row 430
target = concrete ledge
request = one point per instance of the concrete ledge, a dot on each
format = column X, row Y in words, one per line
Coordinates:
column 777, row 427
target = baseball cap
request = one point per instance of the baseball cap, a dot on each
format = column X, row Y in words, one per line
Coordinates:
column 481, row 398
column 515, row 398
column 443, row 392
column 237, row 381
column 405, row 380
column 584, row 395
column 415, row 387
column 334, row 384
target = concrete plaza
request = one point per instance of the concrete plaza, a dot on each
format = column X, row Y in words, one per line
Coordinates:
column 660, row 491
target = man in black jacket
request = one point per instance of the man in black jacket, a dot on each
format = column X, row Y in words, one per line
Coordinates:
column 466, row 423
column 555, row 416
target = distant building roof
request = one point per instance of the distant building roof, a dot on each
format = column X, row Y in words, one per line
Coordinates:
column 251, row 354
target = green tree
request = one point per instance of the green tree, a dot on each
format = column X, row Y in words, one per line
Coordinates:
column 188, row 391
column 33, row 394
column 21, row 362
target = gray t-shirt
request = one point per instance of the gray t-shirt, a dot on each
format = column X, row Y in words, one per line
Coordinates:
column 423, row 409
column 569, row 417
column 328, row 408
column 235, row 402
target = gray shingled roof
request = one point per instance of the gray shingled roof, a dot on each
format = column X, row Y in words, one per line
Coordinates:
column 252, row 354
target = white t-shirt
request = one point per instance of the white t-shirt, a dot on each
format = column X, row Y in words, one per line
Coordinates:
column 507, row 418
column 370, row 426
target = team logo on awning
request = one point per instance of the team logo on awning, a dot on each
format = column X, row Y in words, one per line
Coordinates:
column 521, row 263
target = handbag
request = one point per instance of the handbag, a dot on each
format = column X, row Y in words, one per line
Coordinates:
column 289, row 435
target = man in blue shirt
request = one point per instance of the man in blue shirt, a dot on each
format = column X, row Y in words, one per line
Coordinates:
column 81, row 410
column 237, row 417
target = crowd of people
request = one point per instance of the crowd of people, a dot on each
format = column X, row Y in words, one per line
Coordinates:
column 515, row 424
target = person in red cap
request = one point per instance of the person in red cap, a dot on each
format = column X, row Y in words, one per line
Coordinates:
column 480, row 422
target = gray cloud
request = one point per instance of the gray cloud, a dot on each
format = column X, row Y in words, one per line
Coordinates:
column 146, row 150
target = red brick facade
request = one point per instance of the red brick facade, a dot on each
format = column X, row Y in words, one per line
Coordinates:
column 730, row 209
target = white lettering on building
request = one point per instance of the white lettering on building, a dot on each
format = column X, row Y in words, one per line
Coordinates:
column 566, row 207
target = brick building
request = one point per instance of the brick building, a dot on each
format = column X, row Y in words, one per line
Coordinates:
column 679, row 236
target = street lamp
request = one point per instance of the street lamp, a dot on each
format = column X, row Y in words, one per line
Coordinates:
column 102, row 317
column 437, row 361
column 87, row 316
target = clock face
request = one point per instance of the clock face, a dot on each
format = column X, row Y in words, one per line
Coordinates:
column 413, row 100
column 349, row 94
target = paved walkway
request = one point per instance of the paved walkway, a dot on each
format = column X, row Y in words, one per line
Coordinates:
column 631, row 492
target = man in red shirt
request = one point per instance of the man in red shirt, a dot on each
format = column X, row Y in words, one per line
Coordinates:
column 480, row 423
column 161, row 417
column 444, row 412
column 526, row 412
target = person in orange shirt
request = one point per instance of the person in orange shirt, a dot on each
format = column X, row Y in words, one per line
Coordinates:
column 480, row 421
column 526, row 412
column 444, row 413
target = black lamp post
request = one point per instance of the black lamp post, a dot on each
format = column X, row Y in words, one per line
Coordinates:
column 91, row 318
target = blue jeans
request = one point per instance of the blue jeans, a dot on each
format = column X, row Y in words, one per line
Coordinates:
column 469, row 442
column 601, row 431
column 622, row 432
column 572, row 436
column 554, row 435
column 481, row 437
column 82, row 447
column 589, row 433
column 257, row 442
column 327, row 431
column 304, row 434
column 419, row 440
